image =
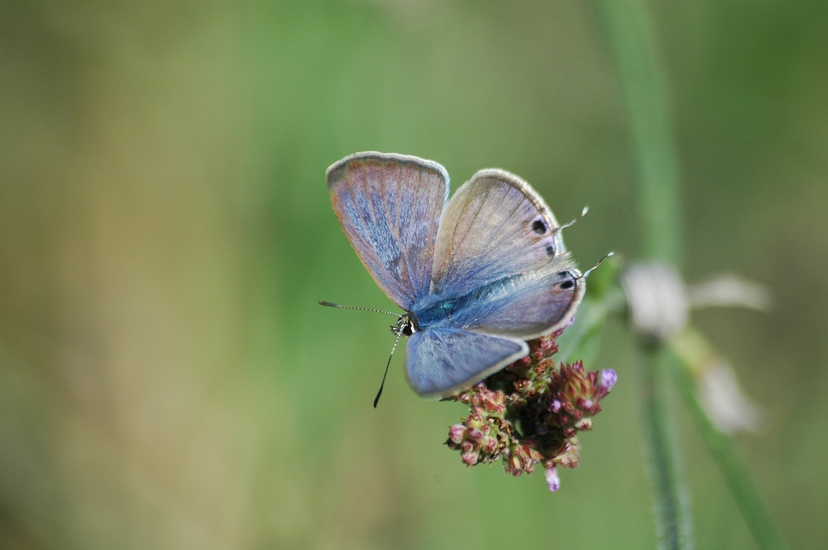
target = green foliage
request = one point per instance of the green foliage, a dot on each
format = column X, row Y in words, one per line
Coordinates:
column 167, row 379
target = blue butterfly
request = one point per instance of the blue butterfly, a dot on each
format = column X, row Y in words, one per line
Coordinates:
column 477, row 275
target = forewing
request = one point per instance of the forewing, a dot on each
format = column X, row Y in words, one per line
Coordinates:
column 497, row 251
column 441, row 361
column 389, row 207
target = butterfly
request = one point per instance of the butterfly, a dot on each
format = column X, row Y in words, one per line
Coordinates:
column 477, row 275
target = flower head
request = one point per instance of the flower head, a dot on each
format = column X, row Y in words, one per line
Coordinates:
column 530, row 412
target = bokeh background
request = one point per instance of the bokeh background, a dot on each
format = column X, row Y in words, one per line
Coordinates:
column 167, row 379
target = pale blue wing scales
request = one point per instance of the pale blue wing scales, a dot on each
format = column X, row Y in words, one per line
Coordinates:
column 498, row 253
column 389, row 207
column 441, row 361
column 495, row 225
column 528, row 305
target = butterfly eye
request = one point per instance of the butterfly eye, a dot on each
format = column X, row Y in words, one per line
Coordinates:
column 539, row 227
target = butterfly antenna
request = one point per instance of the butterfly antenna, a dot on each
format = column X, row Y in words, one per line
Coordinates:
column 570, row 224
column 331, row 304
column 382, row 385
column 593, row 268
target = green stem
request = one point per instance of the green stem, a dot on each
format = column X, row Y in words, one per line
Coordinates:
column 673, row 527
column 643, row 82
column 645, row 88
column 691, row 349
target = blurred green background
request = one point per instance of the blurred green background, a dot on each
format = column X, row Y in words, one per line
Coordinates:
column 167, row 379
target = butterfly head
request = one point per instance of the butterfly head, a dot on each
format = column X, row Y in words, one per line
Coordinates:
column 406, row 325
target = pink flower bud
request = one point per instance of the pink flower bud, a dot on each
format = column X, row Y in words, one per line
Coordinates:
column 470, row 458
column 608, row 380
column 493, row 401
column 456, row 433
column 584, row 424
column 514, row 465
column 552, row 479
column 475, row 434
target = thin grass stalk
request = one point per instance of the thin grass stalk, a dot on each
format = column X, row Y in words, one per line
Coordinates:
column 633, row 46
column 721, row 447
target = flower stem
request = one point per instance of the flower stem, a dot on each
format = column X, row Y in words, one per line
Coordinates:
column 721, row 447
column 673, row 526
column 644, row 85
column 643, row 82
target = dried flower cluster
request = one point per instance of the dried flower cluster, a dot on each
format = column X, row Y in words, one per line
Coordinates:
column 530, row 412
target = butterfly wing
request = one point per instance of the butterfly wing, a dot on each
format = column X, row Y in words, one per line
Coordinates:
column 440, row 361
column 389, row 207
column 498, row 253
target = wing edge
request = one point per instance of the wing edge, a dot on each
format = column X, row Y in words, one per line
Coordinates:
column 335, row 175
column 335, row 169
column 524, row 351
column 528, row 191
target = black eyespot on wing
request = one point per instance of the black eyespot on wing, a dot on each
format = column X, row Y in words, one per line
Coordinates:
column 550, row 250
column 539, row 227
column 567, row 280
